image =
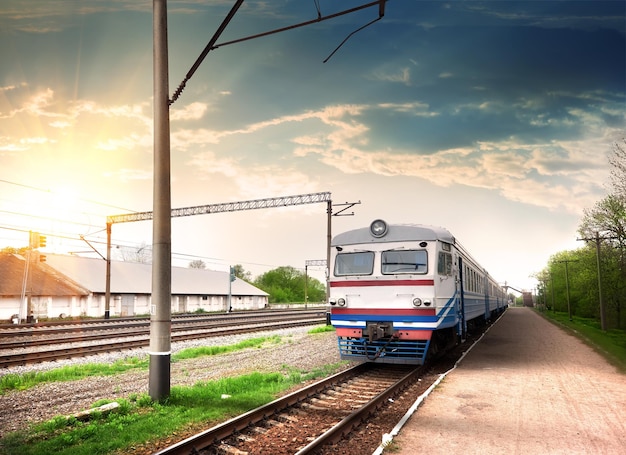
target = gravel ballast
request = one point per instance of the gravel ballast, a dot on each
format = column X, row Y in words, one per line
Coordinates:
column 298, row 349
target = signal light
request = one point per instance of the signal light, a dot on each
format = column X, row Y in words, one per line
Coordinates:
column 33, row 239
column 36, row 240
column 42, row 258
column 232, row 274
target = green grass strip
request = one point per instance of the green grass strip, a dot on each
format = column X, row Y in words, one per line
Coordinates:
column 27, row 380
column 611, row 344
column 138, row 420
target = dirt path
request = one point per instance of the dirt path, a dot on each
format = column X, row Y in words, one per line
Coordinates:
column 526, row 388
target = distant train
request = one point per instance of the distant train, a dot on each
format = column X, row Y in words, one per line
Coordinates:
column 400, row 293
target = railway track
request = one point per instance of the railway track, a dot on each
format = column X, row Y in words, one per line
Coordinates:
column 89, row 325
column 49, row 344
column 347, row 414
column 308, row 420
column 81, row 332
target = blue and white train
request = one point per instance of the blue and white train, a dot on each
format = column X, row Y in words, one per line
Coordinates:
column 399, row 293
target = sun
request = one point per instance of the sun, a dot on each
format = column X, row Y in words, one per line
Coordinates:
column 63, row 199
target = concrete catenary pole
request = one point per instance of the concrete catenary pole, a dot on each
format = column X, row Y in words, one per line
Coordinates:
column 107, row 293
column 602, row 314
column 160, row 311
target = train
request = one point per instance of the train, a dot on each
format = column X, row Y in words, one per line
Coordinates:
column 402, row 293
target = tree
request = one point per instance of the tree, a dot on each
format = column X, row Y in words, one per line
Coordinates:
column 142, row 254
column 287, row 284
column 241, row 273
column 617, row 160
column 13, row 250
column 607, row 220
column 197, row 264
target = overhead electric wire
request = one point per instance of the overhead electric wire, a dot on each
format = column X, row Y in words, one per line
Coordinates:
column 212, row 46
column 43, row 190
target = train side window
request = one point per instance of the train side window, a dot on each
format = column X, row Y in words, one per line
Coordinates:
column 404, row 261
column 444, row 265
column 361, row 263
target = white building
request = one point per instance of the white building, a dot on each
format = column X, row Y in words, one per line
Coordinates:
column 75, row 286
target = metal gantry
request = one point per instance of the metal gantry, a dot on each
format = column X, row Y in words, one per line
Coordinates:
column 283, row 201
column 254, row 204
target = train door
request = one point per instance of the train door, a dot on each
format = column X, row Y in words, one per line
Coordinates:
column 446, row 286
column 461, row 298
column 487, row 295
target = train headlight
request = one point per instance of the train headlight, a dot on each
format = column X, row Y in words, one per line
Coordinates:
column 417, row 302
column 427, row 302
column 378, row 228
column 341, row 302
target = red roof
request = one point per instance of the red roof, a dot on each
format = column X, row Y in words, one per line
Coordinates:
column 42, row 280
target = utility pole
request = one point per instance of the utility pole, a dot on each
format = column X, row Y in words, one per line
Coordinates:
column 160, row 309
column 107, row 292
column 552, row 291
column 597, row 240
column 567, row 261
column 312, row 263
column 329, row 235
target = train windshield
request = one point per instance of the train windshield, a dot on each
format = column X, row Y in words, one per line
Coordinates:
column 361, row 263
column 404, row 261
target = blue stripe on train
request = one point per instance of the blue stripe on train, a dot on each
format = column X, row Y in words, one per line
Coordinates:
column 399, row 352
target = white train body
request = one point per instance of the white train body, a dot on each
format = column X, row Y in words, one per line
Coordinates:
column 397, row 291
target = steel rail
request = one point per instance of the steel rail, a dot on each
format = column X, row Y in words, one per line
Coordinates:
column 9, row 360
column 9, row 327
column 359, row 416
column 177, row 325
column 222, row 431
column 143, row 329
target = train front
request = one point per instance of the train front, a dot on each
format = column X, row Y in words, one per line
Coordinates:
column 383, row 300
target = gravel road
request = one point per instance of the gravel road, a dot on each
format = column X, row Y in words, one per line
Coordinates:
column 527, row 387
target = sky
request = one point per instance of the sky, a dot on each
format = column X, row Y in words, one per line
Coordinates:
column 493, row 119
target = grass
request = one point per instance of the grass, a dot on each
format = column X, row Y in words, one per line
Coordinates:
column 71, row 373
column 611, row 344
column 322, row 329
column 138, row 420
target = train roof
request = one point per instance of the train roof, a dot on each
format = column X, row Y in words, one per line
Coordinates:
column 395, row 233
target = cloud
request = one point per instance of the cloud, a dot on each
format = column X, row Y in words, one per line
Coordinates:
column 541, row 174
column 270, row 180
column 402, row 76
column 125, row 174
column 193, row 111
column 416, row 108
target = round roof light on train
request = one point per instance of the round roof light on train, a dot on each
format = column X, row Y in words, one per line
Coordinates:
column 378, row 228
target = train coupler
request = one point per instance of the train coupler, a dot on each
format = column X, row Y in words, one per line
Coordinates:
column 379, row 330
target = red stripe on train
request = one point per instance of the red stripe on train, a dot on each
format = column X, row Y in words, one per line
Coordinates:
column 401, row 334
column 359, row 283
column 384, row 311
